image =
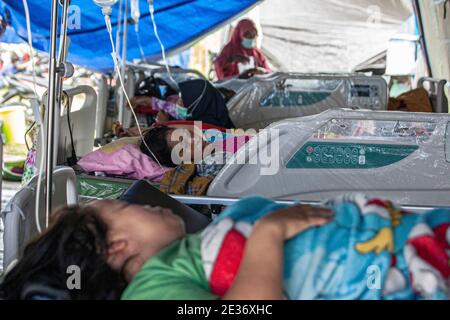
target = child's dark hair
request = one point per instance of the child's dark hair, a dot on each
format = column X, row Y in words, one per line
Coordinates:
column 156, row 140
column 77, row 237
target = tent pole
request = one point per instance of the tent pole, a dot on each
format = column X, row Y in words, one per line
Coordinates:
column 124, row 63
column 423, row 43
column 51, row 104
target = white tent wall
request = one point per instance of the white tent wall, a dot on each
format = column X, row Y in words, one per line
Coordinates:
column 329, row 35
column 437, row 34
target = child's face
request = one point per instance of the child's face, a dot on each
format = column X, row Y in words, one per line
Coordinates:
column 136, row 233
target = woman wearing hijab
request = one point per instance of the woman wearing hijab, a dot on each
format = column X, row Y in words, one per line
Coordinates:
column 203, row 102
column 198, row 101
column 240, row 55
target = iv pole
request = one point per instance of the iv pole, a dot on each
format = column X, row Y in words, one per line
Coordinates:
column 124, row 62
column 57, row 70
column 50, row 114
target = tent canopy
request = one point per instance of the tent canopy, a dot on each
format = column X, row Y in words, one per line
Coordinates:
column 329, row 35
column 180, row 23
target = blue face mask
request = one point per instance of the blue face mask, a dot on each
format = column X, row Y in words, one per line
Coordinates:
column 248, row 43
column 182, row 112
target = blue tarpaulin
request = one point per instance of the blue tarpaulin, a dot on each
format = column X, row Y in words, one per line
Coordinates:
column 180, row 22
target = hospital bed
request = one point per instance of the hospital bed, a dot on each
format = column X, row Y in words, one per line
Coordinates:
column 19, row 214
column 236, row 84
column 415, row 175
column 407, row 159
column 20, row 220
column 264, row 100
column 401, row 156
column 83, row 124
column 155, row 69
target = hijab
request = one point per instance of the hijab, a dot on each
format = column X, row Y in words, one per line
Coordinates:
column 235, row 47
column 205, row 103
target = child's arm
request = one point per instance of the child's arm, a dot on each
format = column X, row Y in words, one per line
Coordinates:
column 261, row 271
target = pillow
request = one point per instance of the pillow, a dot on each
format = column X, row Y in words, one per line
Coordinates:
column 123, row 158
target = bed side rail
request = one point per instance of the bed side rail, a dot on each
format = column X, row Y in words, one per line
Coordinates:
column 190, row 200
column 224, row 201
column 437, row 93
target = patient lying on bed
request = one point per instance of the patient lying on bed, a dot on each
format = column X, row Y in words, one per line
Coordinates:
column 172, row 146
column 130, row 158
column 358, row 249
column 197, row 156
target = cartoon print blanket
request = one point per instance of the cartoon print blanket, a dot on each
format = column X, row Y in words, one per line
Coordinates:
column 371, row 250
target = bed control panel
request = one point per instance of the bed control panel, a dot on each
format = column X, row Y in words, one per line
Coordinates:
column 368, row 94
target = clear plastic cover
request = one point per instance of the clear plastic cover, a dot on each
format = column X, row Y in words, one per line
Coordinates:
column 376, row 130
column 265, row 100
column 399, row 156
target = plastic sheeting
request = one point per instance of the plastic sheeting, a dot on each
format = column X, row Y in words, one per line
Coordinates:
column 437, row 34
column 329, row 35
column 262, row 101
column 180, row 22
column 399, row 156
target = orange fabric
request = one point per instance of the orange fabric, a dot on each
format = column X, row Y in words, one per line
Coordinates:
column 416, row 100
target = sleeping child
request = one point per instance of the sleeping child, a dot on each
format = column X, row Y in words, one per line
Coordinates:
column 351, row 248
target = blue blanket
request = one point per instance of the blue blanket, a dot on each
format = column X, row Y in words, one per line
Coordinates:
column 371, row 250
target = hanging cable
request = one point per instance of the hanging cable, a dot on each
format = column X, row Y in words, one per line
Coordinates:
column 40, row 172
column 138, row 36
column 141, row 48
column 196, row 103
column 107, row 11
column 117, row 68
column 37, row 116
column 163, row 49
column 136, row 15
column 30, row 44
column 26, row 135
